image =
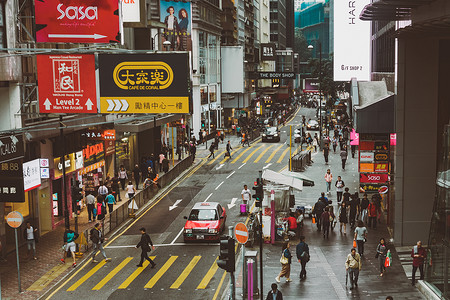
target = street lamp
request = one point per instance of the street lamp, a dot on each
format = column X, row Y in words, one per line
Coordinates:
column 167, row 45
column 320, row 89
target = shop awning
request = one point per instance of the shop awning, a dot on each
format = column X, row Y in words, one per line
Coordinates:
column 306, row 180
column 279, row 178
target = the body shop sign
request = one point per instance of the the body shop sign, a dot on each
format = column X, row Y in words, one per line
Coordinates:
column 373, row 178
column 77, row 21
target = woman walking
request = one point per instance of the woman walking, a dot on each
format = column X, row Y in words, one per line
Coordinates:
column 285, row 263
column 360, row 236
column 343, row 220
column 131, row 190
column 381, row 254
column 122, row 176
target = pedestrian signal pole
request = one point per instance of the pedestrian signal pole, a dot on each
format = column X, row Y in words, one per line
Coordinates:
column 259, row 195
column 227, row 260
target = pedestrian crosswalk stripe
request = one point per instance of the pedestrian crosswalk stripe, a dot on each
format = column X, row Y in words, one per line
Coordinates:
column 262, row 153
column 251, row 154
column 85, row 277
column 282, row 155
column 205, row 281
column 112, row 274
column 216, row 156
column 160, row 272
column 240, row 155
column 42, row 282
column 232, row 154
column 273, row 153
column 135, row 274
column 296, row 150
column 185, row 273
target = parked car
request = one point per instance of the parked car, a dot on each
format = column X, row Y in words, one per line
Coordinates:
column 206, row 221
column 271, row 134
column 312, row 125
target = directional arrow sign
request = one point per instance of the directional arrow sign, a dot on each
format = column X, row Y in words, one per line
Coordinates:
column 124, row 105
column 89, row 104
column 94, row 36
column 47, row 104
column 175, row 204
column 110, row 105
column 233, row 203
column 118, row 104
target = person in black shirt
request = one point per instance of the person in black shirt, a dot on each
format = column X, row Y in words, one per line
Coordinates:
column 145, row 244
column 354, row 208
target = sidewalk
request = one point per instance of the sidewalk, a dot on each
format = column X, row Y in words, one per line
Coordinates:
column 326, row 270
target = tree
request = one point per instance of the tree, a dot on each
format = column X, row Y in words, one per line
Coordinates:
column 301, row 45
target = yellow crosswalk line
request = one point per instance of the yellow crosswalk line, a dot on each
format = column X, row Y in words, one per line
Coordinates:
column 216, row 156
column 212, row 271
column 86, row 277
column 185, row 273
column 240, row 155
column 112, row 274
column 232, row 154
column 262, row 153
column 135, row 274
column 282, row 155
column 42, row 282
column 161, row 272
column 273, row 153
column 296, row 150
column 251, row 154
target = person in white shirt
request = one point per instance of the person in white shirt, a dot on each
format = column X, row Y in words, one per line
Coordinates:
column 246, row 194
column 29, row 235
column 90, row 201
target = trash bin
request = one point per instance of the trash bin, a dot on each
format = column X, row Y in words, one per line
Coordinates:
column 251, row 255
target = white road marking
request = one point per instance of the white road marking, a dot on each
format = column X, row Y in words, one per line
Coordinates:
column 208, row 197
column 175, row 205
column 231, row 174
column 181, row 231
column 219, row 166
column 242, row 165
column 233, row 203
column 268, row 165
column 219, row 185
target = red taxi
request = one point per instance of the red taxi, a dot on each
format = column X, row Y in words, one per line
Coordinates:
column 206, row 221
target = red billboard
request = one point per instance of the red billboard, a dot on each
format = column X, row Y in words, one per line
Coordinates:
column 66, row 83
column 373, row 178
column 77, row 21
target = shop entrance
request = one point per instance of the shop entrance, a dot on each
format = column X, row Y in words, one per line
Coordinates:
column 45, row 209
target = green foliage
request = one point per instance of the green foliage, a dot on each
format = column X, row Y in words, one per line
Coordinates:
column 301, row 45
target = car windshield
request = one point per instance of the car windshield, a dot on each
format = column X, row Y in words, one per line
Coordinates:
column 203, row 215
column 313, row 122
column 271, row 130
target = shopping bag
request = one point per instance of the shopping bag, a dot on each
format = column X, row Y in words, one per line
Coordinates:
column 313, row 220
column 388, row 261
column 354, row 244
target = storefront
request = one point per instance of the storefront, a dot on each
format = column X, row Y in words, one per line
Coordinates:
column 93, row 172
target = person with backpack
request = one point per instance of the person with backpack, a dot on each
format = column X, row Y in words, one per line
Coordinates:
column 302, row 251
column 328, row 179
column 97, row 242
column 145, row 244
column 100, row 209
column 372, row 210
column 110, row 200
column 69, row 245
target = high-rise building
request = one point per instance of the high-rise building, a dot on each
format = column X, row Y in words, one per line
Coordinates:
column 278, row 23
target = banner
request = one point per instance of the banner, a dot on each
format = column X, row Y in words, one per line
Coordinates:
column 31, row 175
column 177, row 18
column 373, row 178
column 268, row 52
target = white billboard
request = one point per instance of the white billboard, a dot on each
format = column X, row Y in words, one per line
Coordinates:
column 31, row 175
column 131, row 11
column 232, row 67
column 351, row 41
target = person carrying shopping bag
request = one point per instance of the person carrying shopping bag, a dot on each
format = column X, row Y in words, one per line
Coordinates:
column 285, row 261
column 381, row 255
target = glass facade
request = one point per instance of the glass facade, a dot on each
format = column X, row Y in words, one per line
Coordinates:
column 437, row 272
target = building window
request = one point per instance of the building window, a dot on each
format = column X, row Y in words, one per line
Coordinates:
column 2, row 25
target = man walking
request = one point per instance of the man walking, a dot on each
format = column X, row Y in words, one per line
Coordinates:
column 326, row 222
column 418, row 254
column 245, row 195
column 352, row 267
column 229, row 149
column 339, row 189
column 274, row 294
column 364, row 206
column 29, row 233
column 317, row 211
column 110, row 200
column 328, row 180
column 211, row 150
column 137, row 175
column 145, row 244
column 103, row 191
column 97, row 242
column 326, row 151
column 302, row 251
column 90, row 202
column 343, row 155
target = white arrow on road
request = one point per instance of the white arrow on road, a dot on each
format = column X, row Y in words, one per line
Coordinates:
column 118, row 105
column 268, row 165
column 219, row 166
column 47, row 104
column 175, row 204
column 233, row 203
column 124, row 105
column 89, row 104
column 94, row 36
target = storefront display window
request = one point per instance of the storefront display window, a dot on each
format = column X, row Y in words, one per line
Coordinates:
column 22, row 207
column 204, row 95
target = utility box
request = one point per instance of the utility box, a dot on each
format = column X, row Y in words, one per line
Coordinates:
column 251, row 255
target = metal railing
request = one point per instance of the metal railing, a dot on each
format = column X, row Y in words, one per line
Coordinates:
column 301, row 160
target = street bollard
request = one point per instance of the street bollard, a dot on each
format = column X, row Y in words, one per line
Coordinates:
column 250, row 278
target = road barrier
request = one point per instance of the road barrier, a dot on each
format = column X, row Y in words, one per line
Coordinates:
column 301, row 160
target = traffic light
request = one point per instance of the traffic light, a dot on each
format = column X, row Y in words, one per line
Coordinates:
column 259, row 193
column 226, row 255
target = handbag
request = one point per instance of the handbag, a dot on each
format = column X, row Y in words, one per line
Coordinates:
column 377, row 255
column 305, row 256
column 354, row 244
column 283, row 259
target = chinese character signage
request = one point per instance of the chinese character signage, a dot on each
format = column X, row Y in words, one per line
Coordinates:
column 101, row 134
column 268, row 52
column 93, row 154
column 177, row 19
column 31, row 175
column 382, row 167
column 11, row 181
column 11, row 147
column 149, row 83
column 67, row 84
column 77, row 21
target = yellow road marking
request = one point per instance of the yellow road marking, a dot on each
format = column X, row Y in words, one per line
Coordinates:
column 282, row 155
column 296, row 150
column 216, row 156
column 209, row 275
column 273, row 153
column 185, row 273
column 135, row 274
column 232, row 153
column 251, row 154
column 219, row 286
column 112, row 274
column 48, row 277
column 86, row 277
column 160, row 273
column 240, row 155
column 262, row 153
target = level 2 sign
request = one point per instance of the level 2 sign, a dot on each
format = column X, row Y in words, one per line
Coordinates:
column 66, row 84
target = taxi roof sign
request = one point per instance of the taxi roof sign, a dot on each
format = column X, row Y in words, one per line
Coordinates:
column 14, row 219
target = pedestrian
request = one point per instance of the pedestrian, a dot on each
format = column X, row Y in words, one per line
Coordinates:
column 179, row 151
column 326, row 219
column 318, row 211
column 193, row 150
column 372, row 210
column 115, row 187
column 229, row 148
column 274, row 294
column 161, row 158
column 100, row 209
column 302, row 251
column 381, row 255
column 328, row 180
column 246, row 140
column 334, row 143
column 137, row 175
column 389, row 298
column 354, row 207
column 122, row 176
column 30, row 235
column 353, row 266
column 314, row 143
column 343, row 220
column 343, row 155
column 212, row 147
column 165, row 165
column 418, row 254
column 90, row 203
column 326, row 151
column 97, row 242
column 131, row 190
column 292, row 222
column 364, row 206
column 246, row 195
column 102, row 191
column 145, row 244
column 285, row 260
column 110, row 200
column 360, row 236
column 69, row 245
column 324, row 199
column 339, row 184
column 377, row 201
column 353, row 150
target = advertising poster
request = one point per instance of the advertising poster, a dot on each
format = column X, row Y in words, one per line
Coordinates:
column 311, row 85
column 77, row 21
column 144, row 83
column 268, row 52
column 131, row 11
column 177, row 18
column 31, row 175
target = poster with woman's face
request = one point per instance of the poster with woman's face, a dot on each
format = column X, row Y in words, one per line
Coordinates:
column 177, row 19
